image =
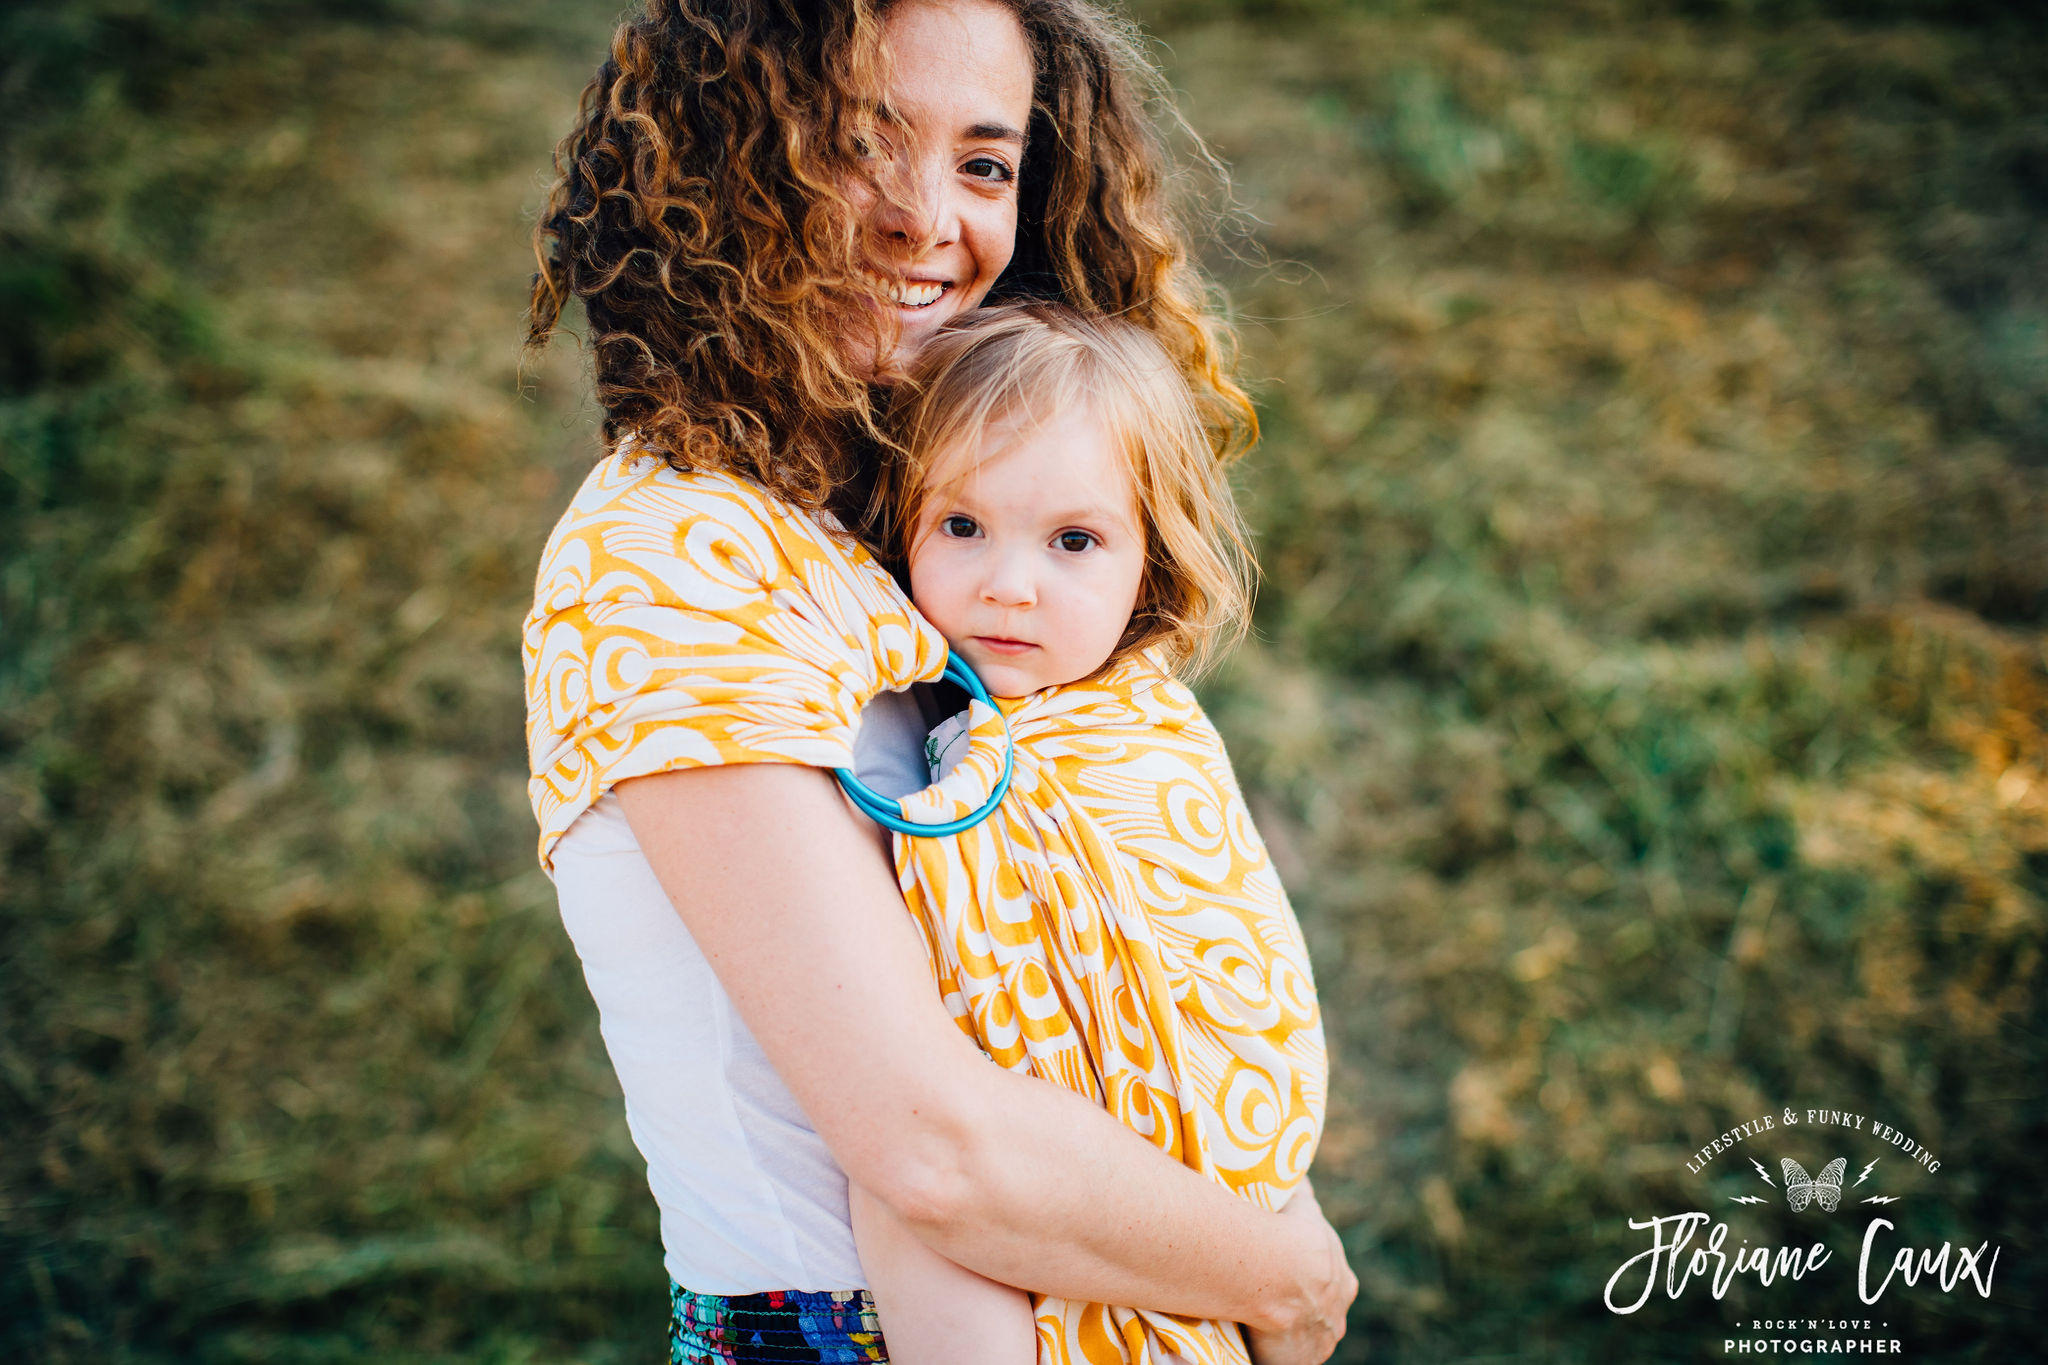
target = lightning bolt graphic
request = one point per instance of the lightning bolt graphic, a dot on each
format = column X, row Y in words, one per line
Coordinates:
column 1866, row 1173
column 1764, row 1173
column 1752, row 1199
column 1882, row 1199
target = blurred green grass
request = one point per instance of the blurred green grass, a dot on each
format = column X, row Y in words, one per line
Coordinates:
column 1650, row 711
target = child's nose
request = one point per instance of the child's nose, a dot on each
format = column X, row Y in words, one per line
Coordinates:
column 1010, row 583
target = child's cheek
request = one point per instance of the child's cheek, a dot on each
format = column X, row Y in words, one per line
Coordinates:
column 941, row 596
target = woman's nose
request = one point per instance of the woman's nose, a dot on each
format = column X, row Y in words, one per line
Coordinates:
column 915, row 215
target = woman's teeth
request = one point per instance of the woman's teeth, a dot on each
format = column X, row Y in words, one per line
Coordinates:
column 918, row 293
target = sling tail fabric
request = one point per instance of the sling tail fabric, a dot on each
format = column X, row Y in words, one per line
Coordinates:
column 1116, row 928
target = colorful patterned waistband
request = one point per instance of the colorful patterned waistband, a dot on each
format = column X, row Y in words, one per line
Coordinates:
column 833, row 1327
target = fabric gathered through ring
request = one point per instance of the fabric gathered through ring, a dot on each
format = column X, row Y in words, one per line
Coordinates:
column 888, row 812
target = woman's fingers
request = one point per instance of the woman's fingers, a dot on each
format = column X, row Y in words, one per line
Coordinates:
column 1316, row 1335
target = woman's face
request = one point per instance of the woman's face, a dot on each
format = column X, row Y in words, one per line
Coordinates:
column 961, row 85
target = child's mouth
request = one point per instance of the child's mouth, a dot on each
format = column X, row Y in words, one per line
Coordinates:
column 997, row 644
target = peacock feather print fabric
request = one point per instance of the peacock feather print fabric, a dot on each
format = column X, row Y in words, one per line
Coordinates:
column 685, row 620
column 1115, row 927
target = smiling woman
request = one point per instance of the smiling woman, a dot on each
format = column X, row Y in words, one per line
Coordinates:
column 960, row 95
column 763, row 210
column 728, row 240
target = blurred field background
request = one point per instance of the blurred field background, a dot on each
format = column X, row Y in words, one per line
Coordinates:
column 1650, row 713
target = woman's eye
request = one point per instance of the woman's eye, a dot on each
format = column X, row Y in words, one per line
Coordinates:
column 1074, row 542
column 989, row 169
column 958, row 526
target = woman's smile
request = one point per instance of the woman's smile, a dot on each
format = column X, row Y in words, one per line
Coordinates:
column 915, row 294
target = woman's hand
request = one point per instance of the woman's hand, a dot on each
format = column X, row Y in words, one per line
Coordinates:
column 1315, row 1333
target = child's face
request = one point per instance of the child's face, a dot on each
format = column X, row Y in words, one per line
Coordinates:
column 1028, row 553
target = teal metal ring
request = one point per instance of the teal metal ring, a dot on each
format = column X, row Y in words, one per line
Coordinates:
column 888, row 812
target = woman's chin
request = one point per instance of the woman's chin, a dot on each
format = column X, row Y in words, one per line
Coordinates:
column 916, row 326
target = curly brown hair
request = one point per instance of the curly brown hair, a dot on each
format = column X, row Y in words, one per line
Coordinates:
column 701, row 214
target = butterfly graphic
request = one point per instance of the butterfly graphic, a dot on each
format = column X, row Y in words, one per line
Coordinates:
column 1826, row 1188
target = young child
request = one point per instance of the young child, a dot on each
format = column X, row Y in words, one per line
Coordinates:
column 1115, row 926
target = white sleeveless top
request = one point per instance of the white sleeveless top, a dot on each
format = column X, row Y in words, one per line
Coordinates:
column 750, row 1198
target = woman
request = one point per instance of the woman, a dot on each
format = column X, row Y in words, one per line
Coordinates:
column 764, row 207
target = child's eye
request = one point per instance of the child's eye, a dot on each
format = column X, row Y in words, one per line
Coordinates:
column 959, row 526
column 1074, row 542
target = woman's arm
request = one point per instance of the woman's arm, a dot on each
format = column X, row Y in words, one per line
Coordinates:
column 798, row 912
column 935, row 1311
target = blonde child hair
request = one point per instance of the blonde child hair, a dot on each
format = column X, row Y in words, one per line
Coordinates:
column 1042, row 358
